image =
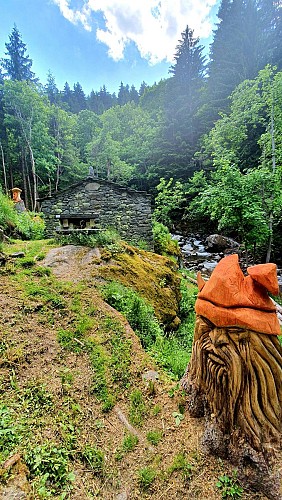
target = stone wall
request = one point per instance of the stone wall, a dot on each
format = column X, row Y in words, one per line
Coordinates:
column 108, row 204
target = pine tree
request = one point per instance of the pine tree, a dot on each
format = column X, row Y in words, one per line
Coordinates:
column 271, row 28
column 238, row 51
column 183, row 99
column 17, row 66
column 142, row 89
column 66, row 97
column 123, row 94
column 134, row 96
column 78, row 98
column 51, row 89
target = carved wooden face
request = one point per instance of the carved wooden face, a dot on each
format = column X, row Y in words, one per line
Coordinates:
column 239, row 372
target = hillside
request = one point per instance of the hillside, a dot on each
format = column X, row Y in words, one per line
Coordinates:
column 83, row 413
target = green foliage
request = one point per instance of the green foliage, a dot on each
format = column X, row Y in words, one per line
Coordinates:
column 51, row 463
column 172, row 351
column 139, row 314
column 137, row 410
column 93, row 458
column 229, row 486
column 146, row 476
column 235, row 201
column 9, row 431
column 30, row 226
column 120, row 359
column 180, row 463
column 129, row 444
column 154, row 437
column 46, row 294
column 170, row 197
column 103, row 238
column 8, row 215
column 163, row 243
column 36, row 397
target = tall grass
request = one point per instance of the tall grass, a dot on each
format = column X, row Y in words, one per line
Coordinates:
column 172, row 351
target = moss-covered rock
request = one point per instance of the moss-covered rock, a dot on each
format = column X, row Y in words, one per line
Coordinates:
column 152, row 276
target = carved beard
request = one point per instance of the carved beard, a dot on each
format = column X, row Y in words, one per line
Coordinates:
column 235, row 379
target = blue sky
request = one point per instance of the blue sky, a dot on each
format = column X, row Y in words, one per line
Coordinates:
column 104, row 42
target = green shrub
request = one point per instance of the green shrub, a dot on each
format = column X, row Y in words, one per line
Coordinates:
column 163, row 243
column 104, row 238
column 51, row 463
column 30, row 225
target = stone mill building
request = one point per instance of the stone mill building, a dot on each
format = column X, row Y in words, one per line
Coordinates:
column 95, row 204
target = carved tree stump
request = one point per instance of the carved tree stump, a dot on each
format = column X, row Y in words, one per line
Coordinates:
column 234, row 378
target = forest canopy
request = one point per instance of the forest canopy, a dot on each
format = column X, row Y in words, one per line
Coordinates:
column 212, row 130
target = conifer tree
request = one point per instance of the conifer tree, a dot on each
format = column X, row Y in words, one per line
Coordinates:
column 66, row 96
column 51, row 89
column 123, row 94
column 17, row 64
column 183, row 99
column 78, row 98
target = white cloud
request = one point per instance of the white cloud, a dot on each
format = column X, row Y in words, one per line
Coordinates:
column 155, row 26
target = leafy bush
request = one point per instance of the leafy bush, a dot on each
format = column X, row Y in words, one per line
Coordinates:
column 9, row 435
column 30, row 225
column 170, row 198
column 51, row 463
column 171, row 352
column 163, row 243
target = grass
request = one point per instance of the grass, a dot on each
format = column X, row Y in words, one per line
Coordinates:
column 146, row 476
column 154, row 437
column 129, row 444
column 94, row 458
column 172, row 351
column 137, row 409
column 180, row 463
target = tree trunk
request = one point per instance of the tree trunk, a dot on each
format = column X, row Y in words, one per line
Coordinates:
column 25, row 175
column 4, row 169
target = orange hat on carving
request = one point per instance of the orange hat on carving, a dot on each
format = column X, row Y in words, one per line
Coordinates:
column 231, row 299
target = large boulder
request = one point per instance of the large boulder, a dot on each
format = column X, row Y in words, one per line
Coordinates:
column 219, row 243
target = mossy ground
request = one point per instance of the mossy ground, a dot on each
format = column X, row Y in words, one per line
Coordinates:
column 72, row 393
